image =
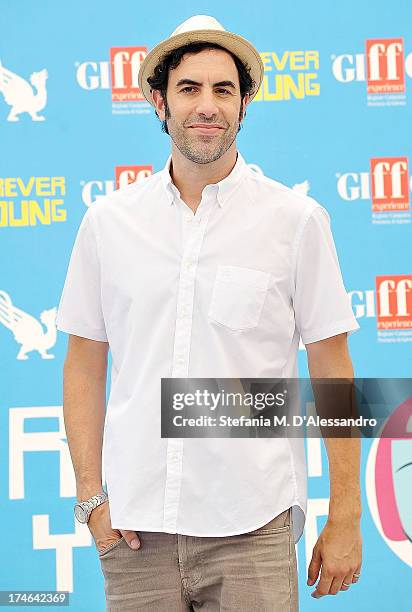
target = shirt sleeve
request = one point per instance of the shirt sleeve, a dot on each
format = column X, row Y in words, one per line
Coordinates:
column 321, row 303
column 80, row 311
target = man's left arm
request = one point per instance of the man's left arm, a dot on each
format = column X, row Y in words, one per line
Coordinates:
column 338, row 550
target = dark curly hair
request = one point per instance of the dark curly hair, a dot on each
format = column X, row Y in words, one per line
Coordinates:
column 160, row 77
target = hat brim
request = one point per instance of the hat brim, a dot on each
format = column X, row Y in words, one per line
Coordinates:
column 238, row 45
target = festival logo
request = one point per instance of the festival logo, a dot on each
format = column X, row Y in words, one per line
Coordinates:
column 390, row 184
column 23, row 96
column 124, row 175
column 130, row 174
column 386, row 186
column 382, row 67
column 27, row 330
column 120, row 75
column 394, row 307
column 385, row 60
column 363, row 303
column 390, row 304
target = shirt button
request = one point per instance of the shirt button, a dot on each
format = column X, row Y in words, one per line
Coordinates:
column 188, row 219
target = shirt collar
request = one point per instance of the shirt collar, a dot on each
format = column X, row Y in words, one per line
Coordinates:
column 225, row 187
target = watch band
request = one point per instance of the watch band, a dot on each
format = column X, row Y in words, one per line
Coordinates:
column 83, row 509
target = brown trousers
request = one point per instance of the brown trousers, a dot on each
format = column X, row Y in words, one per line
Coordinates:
column 251, row 572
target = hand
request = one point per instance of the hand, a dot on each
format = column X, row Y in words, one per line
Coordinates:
column 339, row 551
column 101, row 529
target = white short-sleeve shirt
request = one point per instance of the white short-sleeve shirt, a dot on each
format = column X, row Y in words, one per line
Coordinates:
column 225, row 292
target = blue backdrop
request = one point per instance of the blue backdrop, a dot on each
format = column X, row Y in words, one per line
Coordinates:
column 332, row 119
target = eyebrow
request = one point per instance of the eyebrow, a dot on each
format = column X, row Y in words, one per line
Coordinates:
column 219, row 84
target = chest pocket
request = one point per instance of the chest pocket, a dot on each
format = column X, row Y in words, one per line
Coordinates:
column 238, row 296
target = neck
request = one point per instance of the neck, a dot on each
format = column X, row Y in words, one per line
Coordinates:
column 191, row 178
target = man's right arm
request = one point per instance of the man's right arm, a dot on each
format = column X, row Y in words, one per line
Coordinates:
column 84, row 408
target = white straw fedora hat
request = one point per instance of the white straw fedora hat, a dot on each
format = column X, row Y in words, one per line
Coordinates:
column 202, row 28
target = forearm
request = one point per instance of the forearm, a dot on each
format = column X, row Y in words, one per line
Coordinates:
column 343, row 453
column 84, row 403
column 344, row 477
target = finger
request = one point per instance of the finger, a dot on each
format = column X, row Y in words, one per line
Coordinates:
column 314, row 567
column 357, row 571
column 323, row 586
column 131, row 538
column 336, row 585
column 346, row 581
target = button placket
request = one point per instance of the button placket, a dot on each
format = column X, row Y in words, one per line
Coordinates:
column 193, row 235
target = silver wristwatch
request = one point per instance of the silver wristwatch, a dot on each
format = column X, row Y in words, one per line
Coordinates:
column 83, row 509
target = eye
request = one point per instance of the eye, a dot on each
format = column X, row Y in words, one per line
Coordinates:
column 191, row 87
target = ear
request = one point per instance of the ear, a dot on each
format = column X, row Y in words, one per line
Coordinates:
column 159, row 104
column 245, row 102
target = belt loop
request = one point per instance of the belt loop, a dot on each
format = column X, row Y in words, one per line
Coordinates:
column 288, row 515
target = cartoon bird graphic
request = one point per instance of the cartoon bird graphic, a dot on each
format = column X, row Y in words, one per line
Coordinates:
column 21, row 96
column 302, row 187
column 27, row 330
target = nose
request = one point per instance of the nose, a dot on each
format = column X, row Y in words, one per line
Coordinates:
column 206, row 104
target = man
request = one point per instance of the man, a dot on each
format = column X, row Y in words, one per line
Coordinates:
column 204, row 269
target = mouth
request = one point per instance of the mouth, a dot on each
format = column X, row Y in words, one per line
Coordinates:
column 206, row 129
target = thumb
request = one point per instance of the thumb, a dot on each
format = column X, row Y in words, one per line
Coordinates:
column 314, row 567
column 131, row 538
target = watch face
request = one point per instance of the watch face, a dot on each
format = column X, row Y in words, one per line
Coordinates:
column 80, row 514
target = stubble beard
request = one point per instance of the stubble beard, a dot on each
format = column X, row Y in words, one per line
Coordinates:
column 198, row 148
